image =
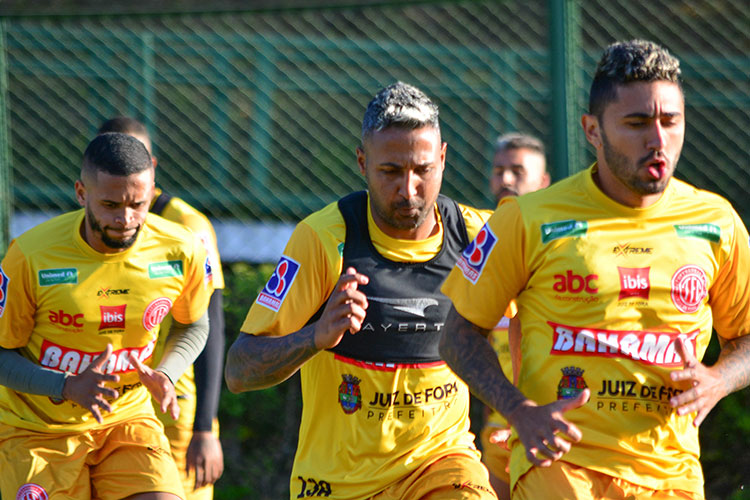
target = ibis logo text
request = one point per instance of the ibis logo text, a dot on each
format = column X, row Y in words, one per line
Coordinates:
column 113, row 317
column 634, row 282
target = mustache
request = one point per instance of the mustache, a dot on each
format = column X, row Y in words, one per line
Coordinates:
column 408, row 204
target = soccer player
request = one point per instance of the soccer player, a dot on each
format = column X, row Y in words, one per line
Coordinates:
column 83, row 296
column 354, row 304
column 519, row 166
column 620, row 272
column 193, row 437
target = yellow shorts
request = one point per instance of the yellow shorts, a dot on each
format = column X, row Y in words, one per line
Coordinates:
column 179, row 433
column 494, row 456
column 563, row 480
column 108, row 463
column 451, row 477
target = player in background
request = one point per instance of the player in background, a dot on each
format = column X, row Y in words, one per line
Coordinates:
column 194, row 436
column 83, row 296
column 354, row 304
column 620, row 273
column 519, row 166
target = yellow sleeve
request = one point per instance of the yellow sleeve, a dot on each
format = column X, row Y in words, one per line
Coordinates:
column 181, row 212
column 299, row 285
column 492, row 270
column 192, row 303
column 17, row 299
column 729, row 295
column 474, row 218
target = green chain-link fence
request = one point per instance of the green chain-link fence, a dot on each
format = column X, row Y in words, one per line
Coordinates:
column 255, row 115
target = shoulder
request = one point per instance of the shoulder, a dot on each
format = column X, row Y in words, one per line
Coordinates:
column 685, row 192
column 474, row 218
column 178, row 210
column 50, row 234
column 327, row 224
column 166, row 232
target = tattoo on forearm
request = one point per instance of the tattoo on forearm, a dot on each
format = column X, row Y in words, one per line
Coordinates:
column 734, row 364
column 468, row 352
column 260, row 362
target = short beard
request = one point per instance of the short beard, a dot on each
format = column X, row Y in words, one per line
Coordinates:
column 405, row 224
column 109, row 242
column 628, row 174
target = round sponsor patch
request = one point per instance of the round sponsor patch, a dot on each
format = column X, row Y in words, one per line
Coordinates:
column 155, row 312
column 689, row 288
column 31, row 491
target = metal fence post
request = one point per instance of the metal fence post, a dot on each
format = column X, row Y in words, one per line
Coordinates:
column 565, row 47
column 5, row 170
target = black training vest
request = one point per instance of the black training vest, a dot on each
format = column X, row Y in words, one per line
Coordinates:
column 406, row 310
column 160, row 203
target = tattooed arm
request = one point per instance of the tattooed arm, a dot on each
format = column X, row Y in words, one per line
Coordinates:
column 543, row 430
column 257, row 362
column 710, row 384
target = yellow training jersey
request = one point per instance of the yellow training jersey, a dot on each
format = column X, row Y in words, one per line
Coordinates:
column 364, row 424
column 604, row 291
column 63, row 302
column 179, row 211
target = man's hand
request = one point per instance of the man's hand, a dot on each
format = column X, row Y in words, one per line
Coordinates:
column 159, row 385
column 706, row 385
column 500, row 437
column 87, row 388
column 543, row 430
column 345, row 310
column 205, row 457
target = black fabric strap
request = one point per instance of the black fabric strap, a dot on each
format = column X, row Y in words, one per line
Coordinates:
column 160, row 203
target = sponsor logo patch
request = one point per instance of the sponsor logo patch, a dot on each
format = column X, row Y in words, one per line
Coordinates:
column 710, row 232
column 113, row 317
column 415, row 306
column 4, row 280
column 634, row 282
column 65, row 359
column 155, row 312
column 474, row 256
column 274, row 293
column 350, row 396
column 166, row 269
column 572, row 383
column 689, row 288
column 651, row 348
column 61, row 318
column 49, row 277
column 563, row 229
column 571, row 282
column 31, row 491
column 624, row 250
column 105, row 292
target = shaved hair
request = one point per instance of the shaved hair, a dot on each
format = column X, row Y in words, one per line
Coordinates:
column 115, row 153
column 125, row 125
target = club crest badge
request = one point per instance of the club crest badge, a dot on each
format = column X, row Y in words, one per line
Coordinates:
column 350, row 397
column 572, row 383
